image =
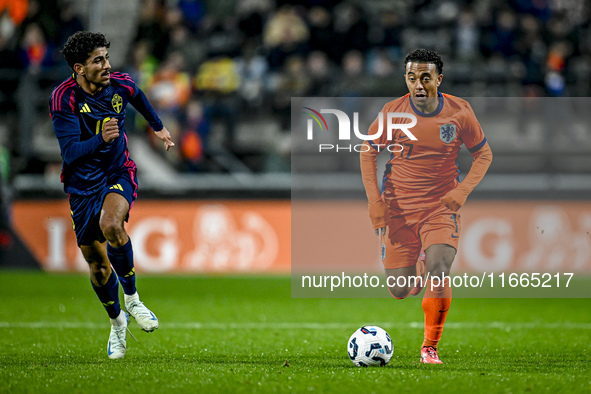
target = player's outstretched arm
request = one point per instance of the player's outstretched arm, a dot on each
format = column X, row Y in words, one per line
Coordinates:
column 141, row 103
column 456, row 197
column 378, row 210
column 164, row 135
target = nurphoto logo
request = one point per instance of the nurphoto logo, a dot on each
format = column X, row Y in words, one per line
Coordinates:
column 344, row 129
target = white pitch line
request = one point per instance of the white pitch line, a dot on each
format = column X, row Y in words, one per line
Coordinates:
column 312, row 326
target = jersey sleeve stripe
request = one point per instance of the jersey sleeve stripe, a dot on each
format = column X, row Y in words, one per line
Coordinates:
column 117, row 74
column 131, row 91
column 72, row 100
column 476, row 148
column 123, row 78
column 387, row 172
column 373, row 145
column 57, row 102
column 58, row 88
column 54, row 98
column 59, row 99
column 64, row 85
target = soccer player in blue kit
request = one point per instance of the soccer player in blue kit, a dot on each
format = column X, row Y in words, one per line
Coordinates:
column 88, row 114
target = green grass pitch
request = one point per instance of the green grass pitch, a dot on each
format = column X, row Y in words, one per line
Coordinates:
column 246, row 334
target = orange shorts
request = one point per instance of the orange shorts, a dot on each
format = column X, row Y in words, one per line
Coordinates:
column 409, row 232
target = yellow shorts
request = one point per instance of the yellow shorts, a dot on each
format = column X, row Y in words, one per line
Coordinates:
column 409, row 232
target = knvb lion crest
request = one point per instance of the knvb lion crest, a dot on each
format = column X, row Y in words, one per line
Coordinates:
column 117, row 103
column 447, row 132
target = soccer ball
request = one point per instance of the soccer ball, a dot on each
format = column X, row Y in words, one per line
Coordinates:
column 370, row 345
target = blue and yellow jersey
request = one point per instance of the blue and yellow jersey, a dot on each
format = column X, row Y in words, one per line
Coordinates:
column 78, row 119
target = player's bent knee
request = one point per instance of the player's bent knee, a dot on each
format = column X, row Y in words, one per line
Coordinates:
column 114, row 232
column 440, row 259
column 399, row 293
column 99, row 272
column 441, row 267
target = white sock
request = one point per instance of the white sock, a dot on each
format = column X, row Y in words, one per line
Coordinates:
column 129, row 298
column 119, row 321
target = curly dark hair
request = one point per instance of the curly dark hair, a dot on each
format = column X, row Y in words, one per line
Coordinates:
column 422, row 55
column 81, row 44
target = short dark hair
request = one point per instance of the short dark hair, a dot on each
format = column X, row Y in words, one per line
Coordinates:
column 81, row 44
column 422, row 55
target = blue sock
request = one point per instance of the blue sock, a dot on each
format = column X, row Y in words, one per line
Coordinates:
column 109, row 295
column 122, row 260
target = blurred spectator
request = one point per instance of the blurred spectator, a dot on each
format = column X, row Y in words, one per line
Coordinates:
column 34, row 53
column 16, row 9
column 380, row 65
column 532, row 50
column 217, row 81
column 170, row 88
column 387, row 34
column 185, row 42
column 8, row 57
column 251, row 17
column 218, row 76
column 45, row 14
column 252, row 71
column 501, row 38
column 293, row 82
column 142, row 65
column 321, row 74
column 385, row 76
column 555, row 84
column 353, row 81
column 557, row 55
column 539, row 9
column 285, row 35
column 69, row 22
column 351, row 28
column 193, row 11
column 195, row 130
column 322, row 34
column 224, row 38
column 467, row 37
column 151, row 27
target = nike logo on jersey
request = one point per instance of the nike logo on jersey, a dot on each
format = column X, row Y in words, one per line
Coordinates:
column 85, row 108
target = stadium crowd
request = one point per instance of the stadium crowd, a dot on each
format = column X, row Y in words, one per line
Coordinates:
column 209, row 65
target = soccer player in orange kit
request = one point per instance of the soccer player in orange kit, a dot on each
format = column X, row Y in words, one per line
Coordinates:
column 421, row 193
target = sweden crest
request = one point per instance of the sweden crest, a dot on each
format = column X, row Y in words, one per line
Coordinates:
column 117, row 103
column 447, row 132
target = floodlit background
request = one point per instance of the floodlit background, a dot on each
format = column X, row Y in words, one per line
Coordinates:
column 222, row 73
column 223, row 217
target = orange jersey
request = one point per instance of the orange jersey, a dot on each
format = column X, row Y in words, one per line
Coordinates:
column 420, row 172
